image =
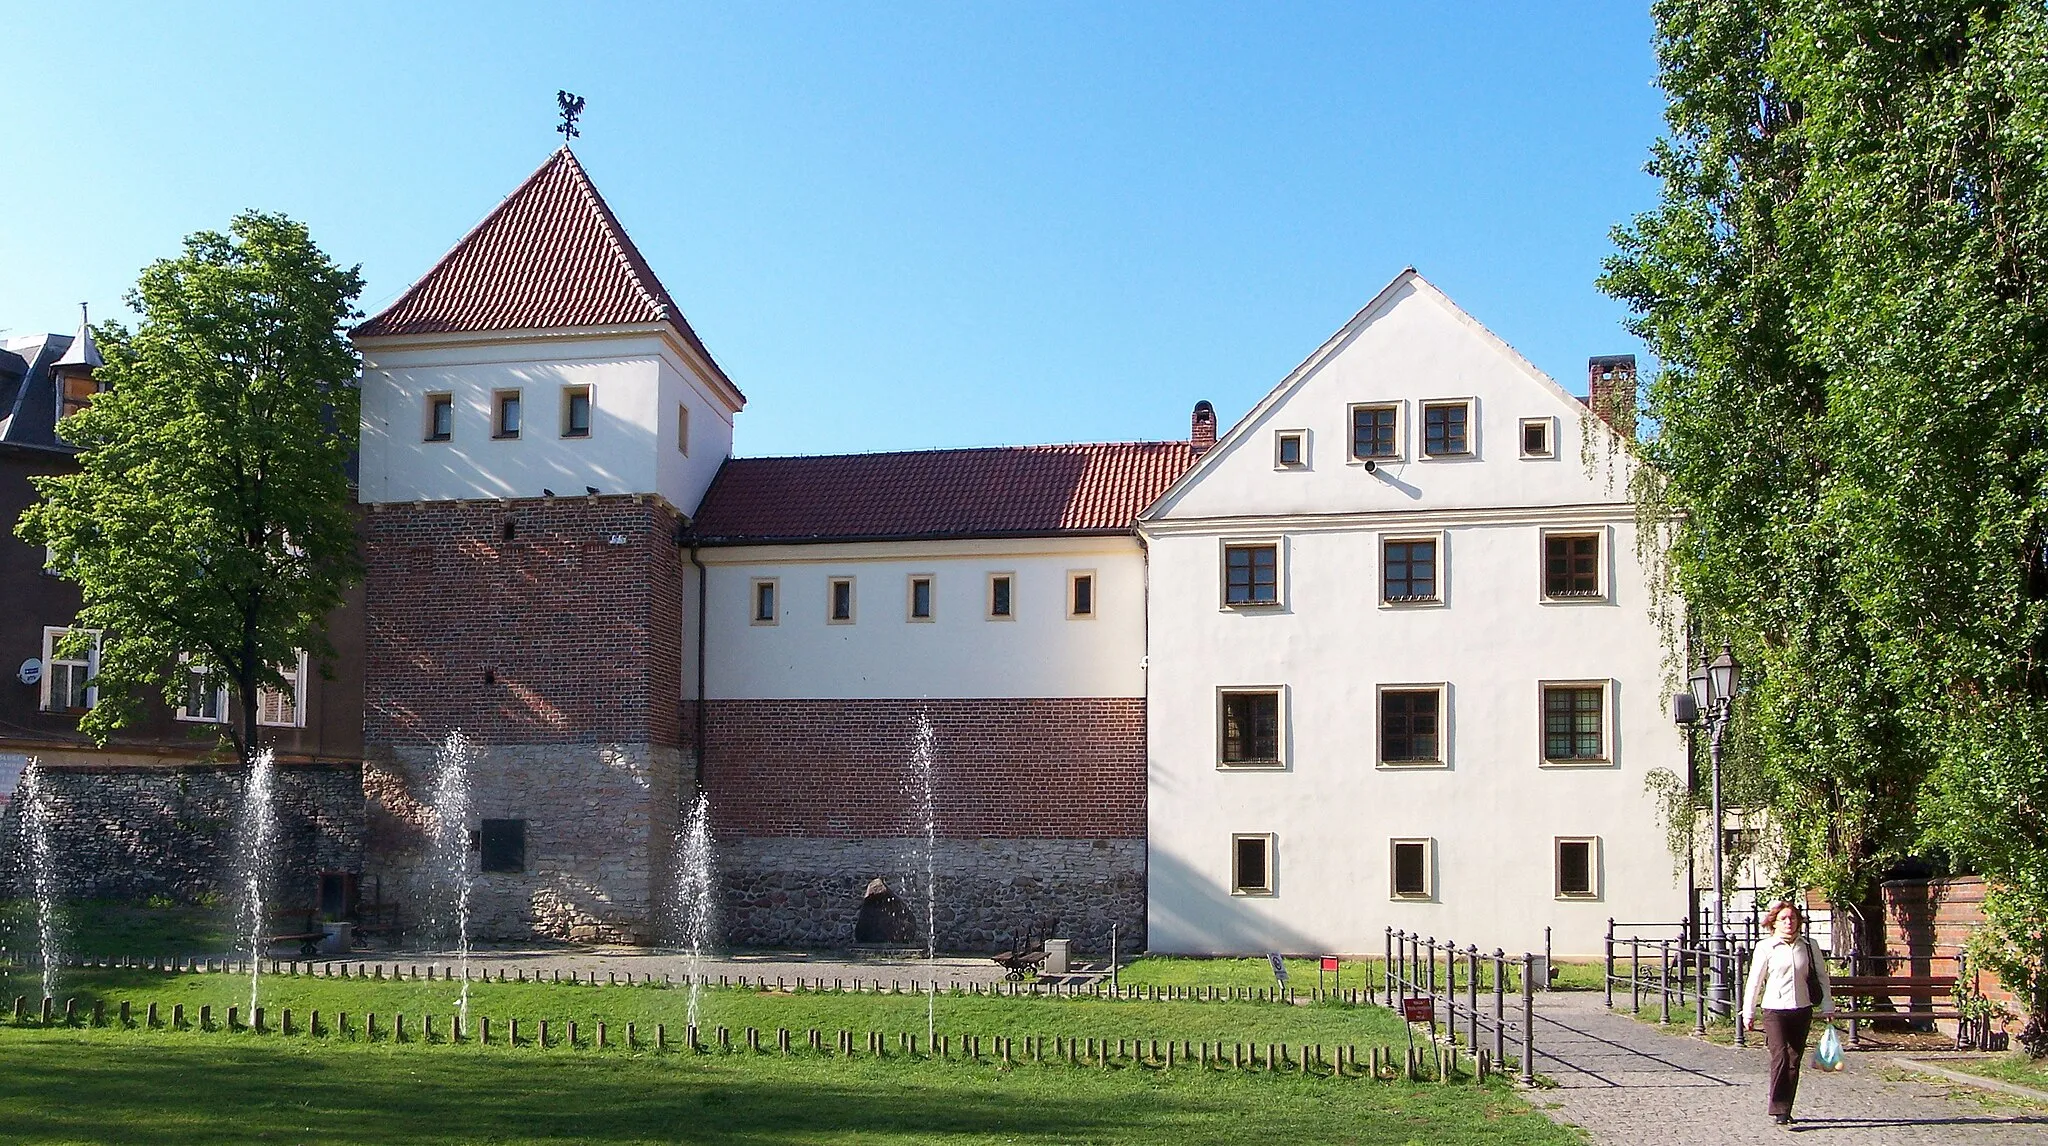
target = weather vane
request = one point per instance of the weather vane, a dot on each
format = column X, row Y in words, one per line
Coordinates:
column 572, row 110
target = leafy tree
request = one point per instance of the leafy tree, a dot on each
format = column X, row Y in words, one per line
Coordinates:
column 1845, row 281
column 209, row 516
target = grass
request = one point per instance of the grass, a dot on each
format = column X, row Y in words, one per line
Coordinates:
column 2015, row 1067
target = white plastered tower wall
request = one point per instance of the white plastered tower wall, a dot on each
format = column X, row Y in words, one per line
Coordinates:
column 1493, row 811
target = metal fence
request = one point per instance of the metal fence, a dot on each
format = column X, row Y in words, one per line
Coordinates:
column 1679, row 969
column 1412, row 963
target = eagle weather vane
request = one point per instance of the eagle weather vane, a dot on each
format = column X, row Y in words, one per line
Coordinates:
column 572, row 110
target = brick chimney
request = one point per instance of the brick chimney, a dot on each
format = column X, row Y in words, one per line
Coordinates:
column 1202, row 432
column 1611, row 390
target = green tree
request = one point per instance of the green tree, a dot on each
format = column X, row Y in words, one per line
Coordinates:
column 1845, row 283
column 209, row 516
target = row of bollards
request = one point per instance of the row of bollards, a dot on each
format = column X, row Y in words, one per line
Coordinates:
column 1314, row 1059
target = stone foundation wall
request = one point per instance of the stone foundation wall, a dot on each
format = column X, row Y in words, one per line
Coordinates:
column 132, row 833
column 600, row 821
column 807, row 892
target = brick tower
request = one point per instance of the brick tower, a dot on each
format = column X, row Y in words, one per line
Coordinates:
column 538, row 419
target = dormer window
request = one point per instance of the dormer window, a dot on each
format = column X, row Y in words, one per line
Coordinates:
column 505, row 416
column 440, row 417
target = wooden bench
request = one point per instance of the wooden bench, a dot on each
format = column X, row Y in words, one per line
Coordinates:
column 1022, row 960
column 308, row 936
column 1862, row 993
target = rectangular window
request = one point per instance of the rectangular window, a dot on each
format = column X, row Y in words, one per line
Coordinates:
column 505, row 414
column 440, row 417
column 1250, row 728
column 1375, row 432
column 766, row 601
column 1444, row 428
column 1080, row 595
column 1408, row 570
column 839, row 601
column 1574, row 723
column 1578, row 868
column 205, row 698
column 1290, row 449
column 1410, row 863
column 1251, row 864
column 1571, row 565
column 503, row 843
column 1536, row 438
column 575, row 411
column 68, row 674
column 1251, row 574
column 285, row 709
column 1410, row 726
column 1001, row 594
column 921, row 598
column 683, row 429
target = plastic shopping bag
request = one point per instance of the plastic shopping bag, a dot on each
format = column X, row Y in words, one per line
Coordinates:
column 1827, row 1054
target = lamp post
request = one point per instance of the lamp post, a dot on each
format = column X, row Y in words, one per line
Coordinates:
column 1713, row 686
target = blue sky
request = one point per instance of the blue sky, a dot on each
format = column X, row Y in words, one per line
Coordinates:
column 896, row 226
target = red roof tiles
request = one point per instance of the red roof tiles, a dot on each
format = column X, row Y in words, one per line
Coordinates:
column 1007, row 491
column 551, row 256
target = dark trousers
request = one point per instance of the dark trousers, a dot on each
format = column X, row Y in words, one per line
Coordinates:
column 1785, row 1033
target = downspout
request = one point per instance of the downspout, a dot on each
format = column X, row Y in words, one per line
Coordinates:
column 703, row 623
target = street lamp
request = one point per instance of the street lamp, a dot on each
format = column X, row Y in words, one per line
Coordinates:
column 1713, row 686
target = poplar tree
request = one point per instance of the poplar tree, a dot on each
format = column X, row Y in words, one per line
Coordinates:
column 1844, row 282
column 208, row 522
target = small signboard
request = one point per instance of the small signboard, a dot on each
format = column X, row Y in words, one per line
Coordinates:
column 1418, row 1010
column 1330, row 964
column 1279, row 968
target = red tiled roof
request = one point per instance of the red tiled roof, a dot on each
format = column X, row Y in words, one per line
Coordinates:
column 1007, row 491
column 552, row 255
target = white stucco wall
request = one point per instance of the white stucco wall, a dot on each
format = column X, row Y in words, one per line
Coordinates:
column 1495, row 809
column 636, row 383
column 958, row 654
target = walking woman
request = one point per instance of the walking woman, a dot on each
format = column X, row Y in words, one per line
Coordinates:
column 1788, row 979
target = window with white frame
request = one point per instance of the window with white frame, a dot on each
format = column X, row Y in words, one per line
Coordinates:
column 1578, row 867
column 440, row 417
column 1251, row 573
column 1411, row 865
column 575, row 411
column 505, row 413
column 1002, row 596
column 1408, row 571
column 1575, row 722
column 839, row 601
column 285, row 708
column 1376, row 432
column 1248, row 727
column 1411, row 725
column 1080, row 594
column 68, row 672
column 1290, row 449
column 204, row 694
column 1539, row 438
column 765, row 601
column 1447, row 429
column 1251, row 863
column 921, row 604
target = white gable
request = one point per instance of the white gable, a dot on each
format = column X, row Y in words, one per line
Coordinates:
column 1411, row 345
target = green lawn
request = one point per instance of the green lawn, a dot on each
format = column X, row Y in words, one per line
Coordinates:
column 188, row 1086
column 2015, row 1067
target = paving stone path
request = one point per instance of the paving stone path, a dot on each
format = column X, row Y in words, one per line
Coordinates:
column 1629, row 1083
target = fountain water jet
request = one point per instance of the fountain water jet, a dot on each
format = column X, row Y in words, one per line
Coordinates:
column 258, row 829
column 449, row 848
column 924, row 749
column 692, row 902
column 36, row 815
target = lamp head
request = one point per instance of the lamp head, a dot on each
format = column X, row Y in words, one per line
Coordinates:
column 1723, row 675
column 1697, row 683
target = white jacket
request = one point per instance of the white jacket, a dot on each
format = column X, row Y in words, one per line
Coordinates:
column 1777, row 978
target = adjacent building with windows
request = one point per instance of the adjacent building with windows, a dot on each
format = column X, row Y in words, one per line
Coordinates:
column 1403, row 666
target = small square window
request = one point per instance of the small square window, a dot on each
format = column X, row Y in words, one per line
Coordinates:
column 1446, row 429
column 1080, row 595
column 1571, row 565
column 1375, row 432
column 1536, row 438
column 1251, row 574
column 440, row 417
column 503, row 843
column 1001, row 597
column 1248, row 733
column 921, row 587
column 1251, row 864
column 683, row 429
column 1574, row 723
column 1290, row 449
column 505, row 414
column 1408, row 570
column 1410, row 862
column 1411, row 725
column 839, row 601
column 575, row 411
column 767, row 601
column 1578, row 868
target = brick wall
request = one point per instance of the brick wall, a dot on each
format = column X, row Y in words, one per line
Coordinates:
column 581, row 638
column 130, row 833
column 1929, row 921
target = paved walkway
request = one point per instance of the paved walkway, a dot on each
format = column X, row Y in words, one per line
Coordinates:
column 1628, row 1083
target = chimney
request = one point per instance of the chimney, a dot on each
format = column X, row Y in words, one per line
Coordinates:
column 1611, row 390
column 1202, row 432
